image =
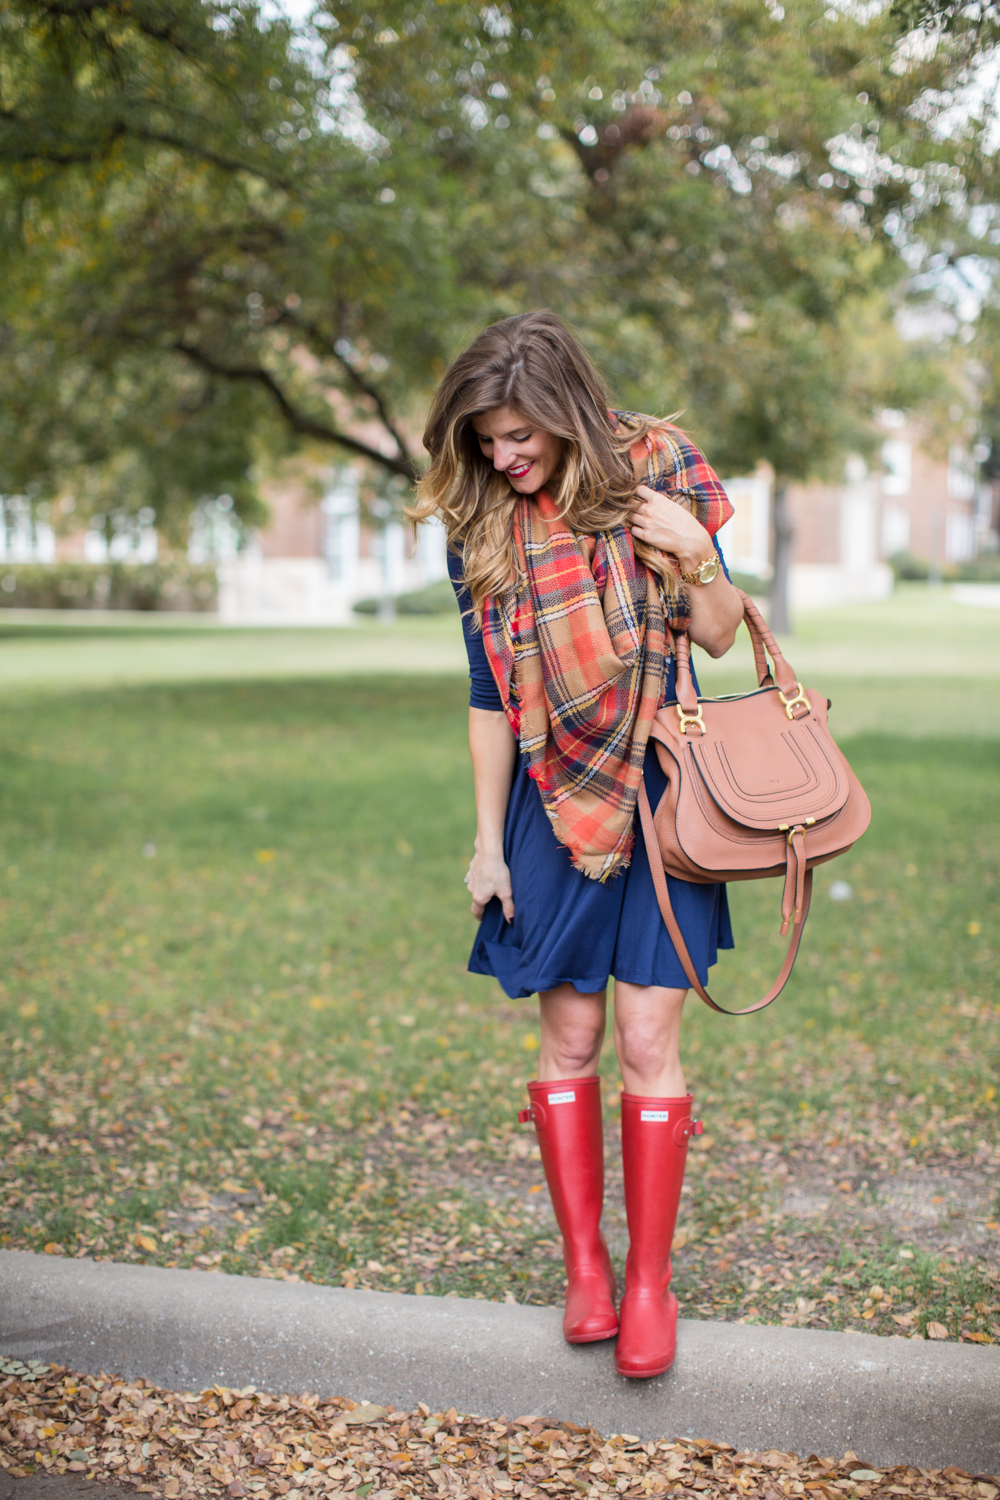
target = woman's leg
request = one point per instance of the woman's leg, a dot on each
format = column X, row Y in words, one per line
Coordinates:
column 648, row 1039
column 656, row 1124
column 572, row 1027
column 566, row 1109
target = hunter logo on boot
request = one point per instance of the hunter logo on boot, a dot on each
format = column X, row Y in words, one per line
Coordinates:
column 569, row 1097
column 658, row 1115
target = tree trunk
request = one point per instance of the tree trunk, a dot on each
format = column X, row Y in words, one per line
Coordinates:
column 784, row 536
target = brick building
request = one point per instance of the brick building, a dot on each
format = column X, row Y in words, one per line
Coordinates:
column 317, row 557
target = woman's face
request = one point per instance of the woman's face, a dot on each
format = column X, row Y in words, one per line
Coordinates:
column 528, row 455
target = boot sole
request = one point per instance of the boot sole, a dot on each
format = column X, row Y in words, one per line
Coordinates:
column 643, row 1373
column 591, row 1338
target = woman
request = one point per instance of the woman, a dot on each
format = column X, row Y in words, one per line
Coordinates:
column 569, row 574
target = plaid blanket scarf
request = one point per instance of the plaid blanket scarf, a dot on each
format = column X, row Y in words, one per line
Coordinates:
column 579, row 651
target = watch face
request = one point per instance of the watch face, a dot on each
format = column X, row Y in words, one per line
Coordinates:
column 708, row 569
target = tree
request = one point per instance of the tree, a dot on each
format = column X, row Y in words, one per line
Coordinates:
column 199, row 262
column 225, row 238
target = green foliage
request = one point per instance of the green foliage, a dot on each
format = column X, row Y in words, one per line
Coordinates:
column 908, row 567
column 982, row 569
column 436, row 599
column 115, row 585
column 224, row 238
column 757, row 588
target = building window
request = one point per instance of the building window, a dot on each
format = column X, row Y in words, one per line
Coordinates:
column 341, row 527
column 897, row 465
column 961, row 474
column 25, row 534
column 215, row 532
column 122, row 538
column 895, row 531
column 745, row 538
column 959, row 536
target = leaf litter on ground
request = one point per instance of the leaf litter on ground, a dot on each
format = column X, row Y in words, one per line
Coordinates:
column 280, row 1067
column 237, row 1443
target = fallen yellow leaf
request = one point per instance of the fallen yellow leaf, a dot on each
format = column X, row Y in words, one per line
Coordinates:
column 53, row 1248
column 145, row 1242
column 264, row 856
column 936, row 1331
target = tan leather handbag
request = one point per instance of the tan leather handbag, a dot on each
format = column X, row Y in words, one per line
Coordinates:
column 756, row 789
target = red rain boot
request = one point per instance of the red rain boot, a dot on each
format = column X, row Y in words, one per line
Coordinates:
column 567, row 1117
column 654, row 1150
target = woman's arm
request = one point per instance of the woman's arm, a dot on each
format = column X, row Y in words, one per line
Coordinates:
column 716, row 607
column 494, row 748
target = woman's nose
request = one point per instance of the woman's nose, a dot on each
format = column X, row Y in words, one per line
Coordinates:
column 503, row 456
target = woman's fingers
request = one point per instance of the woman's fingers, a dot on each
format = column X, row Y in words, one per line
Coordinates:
column 485, row 880
column 660, row 522
column 507, row 902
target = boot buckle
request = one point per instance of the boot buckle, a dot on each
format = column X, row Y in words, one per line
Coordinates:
column 525, row 1116
column 685, row 1129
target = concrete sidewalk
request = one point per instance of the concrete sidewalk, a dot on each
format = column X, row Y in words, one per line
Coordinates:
column 889, row 1400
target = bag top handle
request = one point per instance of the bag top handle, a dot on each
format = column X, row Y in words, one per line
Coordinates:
column 761, row 639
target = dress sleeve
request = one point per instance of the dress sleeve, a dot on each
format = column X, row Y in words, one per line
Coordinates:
column 483, row 691
column 725, row 565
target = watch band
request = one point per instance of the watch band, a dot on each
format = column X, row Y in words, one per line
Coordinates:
column 704, row 572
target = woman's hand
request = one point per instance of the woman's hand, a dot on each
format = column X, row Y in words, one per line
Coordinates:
column 489, row 876
column 716, row 609
column 660, row 522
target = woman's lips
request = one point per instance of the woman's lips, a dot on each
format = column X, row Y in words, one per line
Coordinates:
column 519, row 472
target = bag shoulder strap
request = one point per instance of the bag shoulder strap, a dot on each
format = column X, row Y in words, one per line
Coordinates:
column 677, row 937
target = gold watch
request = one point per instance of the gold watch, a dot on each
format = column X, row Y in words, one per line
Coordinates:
column 704, row 572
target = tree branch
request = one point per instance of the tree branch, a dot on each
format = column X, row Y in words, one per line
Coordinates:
column 298, row 421
column 116, row 131
column 364, row 387
column 227, row 164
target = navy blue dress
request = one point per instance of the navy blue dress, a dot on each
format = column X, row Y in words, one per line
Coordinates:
column 568, row 929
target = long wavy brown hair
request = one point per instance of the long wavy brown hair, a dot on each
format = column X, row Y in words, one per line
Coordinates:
column 535, row 364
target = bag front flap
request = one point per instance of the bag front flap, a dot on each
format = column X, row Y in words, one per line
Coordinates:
column 762, row 769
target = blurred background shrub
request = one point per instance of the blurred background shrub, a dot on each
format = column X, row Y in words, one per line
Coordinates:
column 116, row 585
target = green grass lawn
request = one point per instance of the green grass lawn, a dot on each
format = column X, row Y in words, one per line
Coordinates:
column 237, row 1030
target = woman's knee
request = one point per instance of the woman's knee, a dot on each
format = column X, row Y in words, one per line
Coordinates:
column 644, row 1048
column 573, row 1032
column 647, row 1029
column 576, row 1050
